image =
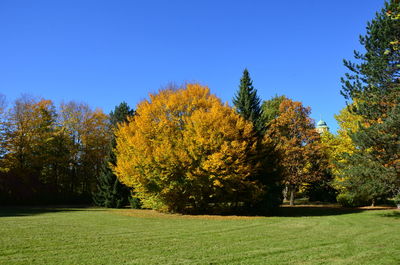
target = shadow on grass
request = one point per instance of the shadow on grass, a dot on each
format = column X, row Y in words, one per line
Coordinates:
column 308, row 210
column 325, row 210
column 394, row 214
column 283, row 211
column 29, row 211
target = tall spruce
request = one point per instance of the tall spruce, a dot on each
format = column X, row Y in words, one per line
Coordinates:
column 247, row 102
column 373, row 171
column 248, row 105
column 111, row 193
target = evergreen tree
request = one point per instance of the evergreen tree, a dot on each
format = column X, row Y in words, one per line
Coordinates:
column 373, row 171
column 247, row 102
column 111, row 192
column 248, row 105
column 121, row 114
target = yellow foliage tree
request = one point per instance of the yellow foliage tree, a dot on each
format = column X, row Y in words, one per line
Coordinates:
column 88, row 133
column 185, row 150
column 28, row 133
column 338, row 145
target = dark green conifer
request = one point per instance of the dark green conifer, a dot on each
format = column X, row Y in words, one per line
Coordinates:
column 111, row 193
column 247, row 102
column 374, row 83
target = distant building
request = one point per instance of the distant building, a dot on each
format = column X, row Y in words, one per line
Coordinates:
column 322, row 127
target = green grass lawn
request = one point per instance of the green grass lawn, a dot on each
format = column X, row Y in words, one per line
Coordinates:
column 300, row 235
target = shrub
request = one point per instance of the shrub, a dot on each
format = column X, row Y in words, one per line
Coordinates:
column 396, row 199
column 350, row 200
column 135, row 203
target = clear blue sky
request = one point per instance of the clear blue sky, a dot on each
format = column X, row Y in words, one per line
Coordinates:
column 105, row 52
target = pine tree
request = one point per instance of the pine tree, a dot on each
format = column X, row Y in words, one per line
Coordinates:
column 373, row 171
column 111, row 193
column 247, row 102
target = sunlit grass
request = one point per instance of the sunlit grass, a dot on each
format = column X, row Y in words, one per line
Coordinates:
column 300, row 235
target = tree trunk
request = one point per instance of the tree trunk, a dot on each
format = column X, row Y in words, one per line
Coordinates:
column 285, row 192
column 292, row 190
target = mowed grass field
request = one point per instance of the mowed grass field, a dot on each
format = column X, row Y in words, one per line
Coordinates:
column 300, row 235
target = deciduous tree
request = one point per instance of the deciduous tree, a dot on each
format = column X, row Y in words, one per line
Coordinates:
column 88, row 144
column 2, row 127
column 28, row 138
column 302, row 156
column 270, row 108
column 185, row 150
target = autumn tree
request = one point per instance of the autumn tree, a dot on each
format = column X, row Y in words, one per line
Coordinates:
column 247, row 102
column 28, row 132
column 336, row 147
column 294, row 133
column 186, row 151
column 339, row 146
column 88, row 133
column 2, row 126
column 28, row 136
column 111, row 192
column 373, row 170
column 2, row 104
column 50, row 156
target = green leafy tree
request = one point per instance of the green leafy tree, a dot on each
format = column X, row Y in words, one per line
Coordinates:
column 373, row 170
column 270, row 108
column 111, row 193
column 247, row 102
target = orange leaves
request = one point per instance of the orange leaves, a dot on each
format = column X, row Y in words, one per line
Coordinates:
column 185, row 148
column 294, row 133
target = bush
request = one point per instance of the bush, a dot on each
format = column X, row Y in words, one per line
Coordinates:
column 396, row 199
column 135, row 203
column 350, row 200
column 321, row 191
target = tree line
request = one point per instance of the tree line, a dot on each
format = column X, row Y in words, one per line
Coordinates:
column 183, row 150
column 51, row 155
